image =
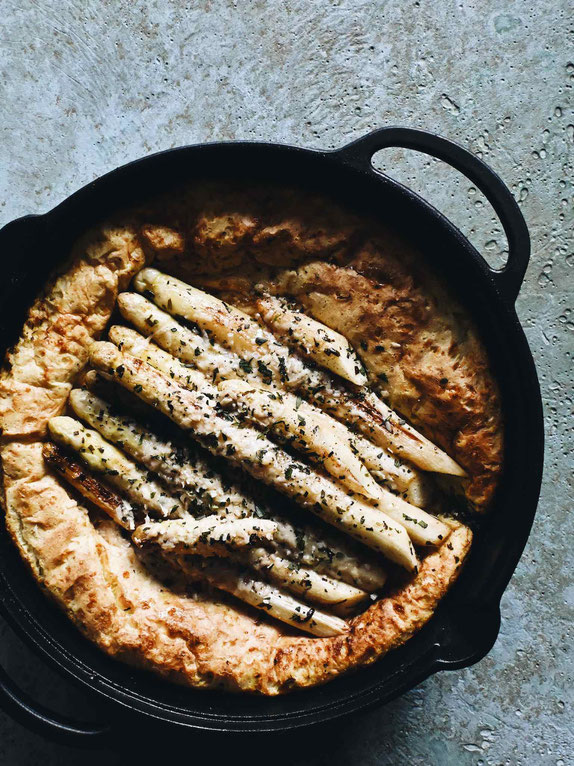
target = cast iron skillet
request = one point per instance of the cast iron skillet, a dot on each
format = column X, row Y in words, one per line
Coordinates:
column 467, row 622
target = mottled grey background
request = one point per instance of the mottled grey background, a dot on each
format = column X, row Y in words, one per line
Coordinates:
column 88, row 85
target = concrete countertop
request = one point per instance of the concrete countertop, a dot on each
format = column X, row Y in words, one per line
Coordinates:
column 86, row 86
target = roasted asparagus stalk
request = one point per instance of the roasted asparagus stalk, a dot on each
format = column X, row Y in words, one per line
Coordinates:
column 194, row 412
column 263, row 596
column 257, row 347
column 179, row 466
column 218, row 364
column 103, row 458
column 98, row 493
column 325, row 346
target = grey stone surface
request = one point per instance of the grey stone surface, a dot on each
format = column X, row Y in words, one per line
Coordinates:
column 86, row 86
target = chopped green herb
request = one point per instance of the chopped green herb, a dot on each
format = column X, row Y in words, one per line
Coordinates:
column 282, row 369
column 265, row 371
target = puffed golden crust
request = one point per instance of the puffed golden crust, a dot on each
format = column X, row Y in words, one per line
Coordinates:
column 93, row 572
column 90, row 568
column 37, row 374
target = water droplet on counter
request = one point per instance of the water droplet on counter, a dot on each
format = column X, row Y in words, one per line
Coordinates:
column 504, row 22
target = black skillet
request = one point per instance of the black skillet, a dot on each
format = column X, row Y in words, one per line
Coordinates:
column 467, row 622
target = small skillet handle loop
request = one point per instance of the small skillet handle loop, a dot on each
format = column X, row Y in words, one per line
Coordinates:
column 19, row 706
column 509, row 279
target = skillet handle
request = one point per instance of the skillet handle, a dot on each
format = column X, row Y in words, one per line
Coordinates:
column 509, row 279
column 20, row 706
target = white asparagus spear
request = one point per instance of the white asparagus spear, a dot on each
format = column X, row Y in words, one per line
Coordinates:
column 264, row 596
column 179, row 466
column 389, row 470
column 234, row 538
column 91, row 488
column 303, row 582
column 274, row 363
column 123, row 473
column 210, row 536
column 135, row 344
column 273, row 407
column 325, row 346
column 193, row 348
column 294, row 421
column 270, row 407
column 194, row 412
column 290, row 418
column 423, row 528
column 324, row 440
column 403, row 439
column 219, row 364
column 174, row 462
